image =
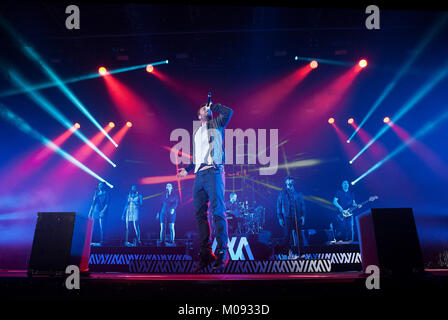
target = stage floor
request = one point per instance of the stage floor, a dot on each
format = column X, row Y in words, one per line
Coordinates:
column 131, row 277
column 220, row 288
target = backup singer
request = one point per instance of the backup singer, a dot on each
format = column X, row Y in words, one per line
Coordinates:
column 343, row 227
column 208, row 165
column 131, row 213
column 98, row 212
column 167, row 215
column 291, row 216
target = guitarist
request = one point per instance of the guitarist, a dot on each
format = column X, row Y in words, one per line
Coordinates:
column 342, row 223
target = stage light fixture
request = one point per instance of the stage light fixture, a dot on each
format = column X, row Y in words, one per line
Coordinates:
column 111, row 124
column 386, row 120
column 362, row 63
column 351, row 121
column 149, row 68
column 331, row 120
column 102, row 71
column 314, row 64
column 77, row 125
column 348, row 141
column 129, row 124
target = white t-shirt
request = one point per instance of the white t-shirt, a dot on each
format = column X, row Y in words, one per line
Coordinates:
column 201, row 147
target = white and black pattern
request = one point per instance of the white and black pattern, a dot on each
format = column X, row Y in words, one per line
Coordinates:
column 125, row 259
column 335, row 258
column 234, row 267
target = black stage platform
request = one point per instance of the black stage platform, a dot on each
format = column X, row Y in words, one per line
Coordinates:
column 117, row 258
column 336, row 292
column 158, row 276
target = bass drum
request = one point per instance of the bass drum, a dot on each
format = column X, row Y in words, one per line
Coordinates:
column 254, row 220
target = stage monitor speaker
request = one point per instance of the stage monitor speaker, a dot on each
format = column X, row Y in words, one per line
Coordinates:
column 261, row 245
column 60, row 239
column 389, row 240
column 315, row 237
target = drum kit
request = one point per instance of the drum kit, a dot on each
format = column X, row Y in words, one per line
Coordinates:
column 247, row 220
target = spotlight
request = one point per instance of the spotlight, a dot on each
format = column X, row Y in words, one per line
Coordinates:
column 313, row 64
column 129, row 124
column 362, row 63
column 351, row 161
column 102, row 71
column 296, row 58
column 348, row 141
column 166, row 61
column 386, row 120
column 149, row 68
column 77, row 125
column 350, row 121
column 111, row 124
column 331, row 120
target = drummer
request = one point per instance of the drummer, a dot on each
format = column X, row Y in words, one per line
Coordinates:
column 233, row 207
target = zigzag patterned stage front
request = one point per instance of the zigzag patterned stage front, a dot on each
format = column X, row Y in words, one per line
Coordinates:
column 246, row 254
column 234, row 267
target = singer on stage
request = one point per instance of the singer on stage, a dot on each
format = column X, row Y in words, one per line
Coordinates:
column 208, row 165
column 98, row 212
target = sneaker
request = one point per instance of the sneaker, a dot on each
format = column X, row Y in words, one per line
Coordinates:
column 222, row 258
column 205, row 260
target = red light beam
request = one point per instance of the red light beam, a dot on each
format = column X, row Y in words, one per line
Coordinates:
column 164, row 179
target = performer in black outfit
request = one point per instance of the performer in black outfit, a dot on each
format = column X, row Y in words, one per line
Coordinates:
column 98, row 212
column 208, row 165
column 167, row 215
column 343, row 226
column 291, row 216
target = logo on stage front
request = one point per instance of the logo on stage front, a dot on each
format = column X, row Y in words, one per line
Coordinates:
column 236, row 246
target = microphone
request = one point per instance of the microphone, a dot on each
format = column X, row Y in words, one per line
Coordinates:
column 209, row 98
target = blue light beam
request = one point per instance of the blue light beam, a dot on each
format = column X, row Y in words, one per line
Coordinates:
column 55, row 113
column 95, row 75
column 407, row 107
column 423, row 131
column 67, row 92
column 416, row 53
column 326, row 61
column 23, row 126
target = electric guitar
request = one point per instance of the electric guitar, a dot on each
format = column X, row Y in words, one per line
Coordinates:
column 349, row 212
